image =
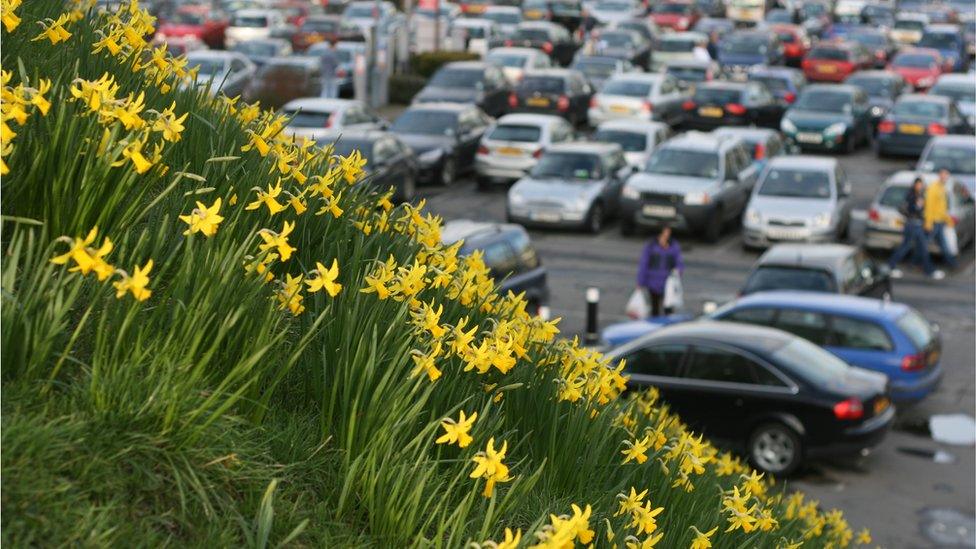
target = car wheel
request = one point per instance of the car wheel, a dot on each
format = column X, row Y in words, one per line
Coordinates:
column 775, row 448
column 594, row 221
column 448, row 172
column 713, row 228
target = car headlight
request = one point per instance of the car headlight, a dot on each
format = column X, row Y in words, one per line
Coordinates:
column 925, row 82
column 697, row 198
column 787, row 126
column 836, row 129
column 630, row 191
column 430, row 157
column 753, row 217
column 821, row 219
column 580, row 204
column 876, row 111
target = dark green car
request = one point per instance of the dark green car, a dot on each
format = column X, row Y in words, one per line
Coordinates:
column 829, row 117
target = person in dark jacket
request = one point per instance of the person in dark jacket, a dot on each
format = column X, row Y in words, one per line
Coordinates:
column 660, row 257
column 914, row 238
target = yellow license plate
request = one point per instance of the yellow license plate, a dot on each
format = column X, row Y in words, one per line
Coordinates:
column 537, row 102
column 913, row 129
column 533, row 14
column 619, row 108
column 509, row 151
column 314, row 38
column 476, row 9
column 711, row 112
column 827, row 68
column 881, row 405
column 897, row 223
column 933, row 358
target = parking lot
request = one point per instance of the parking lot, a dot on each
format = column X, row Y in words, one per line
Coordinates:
column 900, row 490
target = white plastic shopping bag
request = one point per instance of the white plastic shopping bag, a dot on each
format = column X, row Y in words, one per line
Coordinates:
column 674, row 294
column 637, row 307
column 952, row 243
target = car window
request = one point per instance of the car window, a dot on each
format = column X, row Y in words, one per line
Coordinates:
column 355, row 115
column 761, row 316
column 806, row 324
column 859, row 334
column 383, row 151
column 916, row 328
column 731, row 166
column 712, row 364
column 500, row 258
column 527, row 257
column 236, row 65
column 658, row 360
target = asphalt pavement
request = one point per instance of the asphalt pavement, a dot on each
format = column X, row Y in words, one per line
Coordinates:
column 912, row 491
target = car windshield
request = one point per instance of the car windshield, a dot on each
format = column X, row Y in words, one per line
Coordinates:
column 768, row 278
column 671, row 8
column 955, row 159
column 914, row 61
column 893, row 196
column 774, row 83
column 568, row 166
column 909, row 25
column 874, row 87
column 536, row 35
column 514, row 132
column 345, row 147
column 629, row 88
column 795, row 184
column 717, row 96
column 185, row 18
column 824, row 101
column 811, row 362
column 512, row 60
column 916, row 328
column 828, row 54
column 779, row 16
column 869, row 39
column 503, row 18
column 923, row 109
column 688, row 74
column 939, row 41
column 252, row 21
column 283, row 71
column 628, row 141
column 962, row 94
column 689, row 163
column 616, row 39
column 207, row 67
column 266, row 49
column 595, row 69
column 676, row 45
column 426, row 122
column 308, row 119
column 320, row 25
column 457, row 78
column 543, row 84
column 744, row 45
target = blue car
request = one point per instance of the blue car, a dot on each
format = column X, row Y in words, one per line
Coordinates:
column 785, row 83
column 741, row 50
column 886, row 337
column 950, row 42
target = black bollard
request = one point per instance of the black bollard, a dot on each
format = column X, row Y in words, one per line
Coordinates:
column 592, row 325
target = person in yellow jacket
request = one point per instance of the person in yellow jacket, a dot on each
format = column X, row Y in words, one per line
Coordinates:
column 936, row 215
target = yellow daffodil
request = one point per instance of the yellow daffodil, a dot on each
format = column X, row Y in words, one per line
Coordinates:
column 87, row 259
column 863, row 537
column 426, row 362
column 636, row 450
column 649, row 542
column 325, row 279
column 127, row 112
column 630, row 503
column 643, row 518
column 7, row 15
column 352, row 166
column 511, row 541
column 376, row 281
column 765, row 521
column 169, row 124
column 53, row 29
column 702, row 539
column 461, row 340
column 203, row 219
column 94, row 93
column 331, row 206
column 278, row 241
column 290, row 295
column 427, row 318
column 261, row 266
column 268, row 198
column 456, row 432
column 108, row 41
column 489, row 466
column 741, row 519
column 136, row 284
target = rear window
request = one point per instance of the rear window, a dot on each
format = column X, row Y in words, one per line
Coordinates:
column 721, row 96
column 320, row 25
column 674, row 9
column 544, row 84
column 630, row 88
column 925, row 109
column 939, row 41
column 596, row 69
column 828, row 54
column 688, row 74
column 457, row 78
column 532, row 34
column 893, row 197
column 306, row 119
column 514, row 60
column 789, row 278
column 629, row 141
column 616, row 39
column 915, row 61
column 916, row 328
column 909, row 25
column 511, row 132
column 773, row 83
column 954, row 159
column 676, row 46
column 252, row 21
column 811, row 362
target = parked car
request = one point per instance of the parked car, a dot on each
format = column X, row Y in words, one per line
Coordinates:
column 609, row 12
column 879, row 16
column 834, row 62
column 784, row 83
column 825, row 268
column 795, row 42
column 514, row 144
column 389, row 162
column 883, row 230
column 916, row 118
column 829, row 117
column 962, row 89
column 815, row 18
column 642, row 26
column 909, row 28
column 566, row 13
column 773, row 395
column 508, row 253
column 676, row 46
column 718, row 25
column 956, row 153
column 882, row 87
column 515, row 61
column 367, row 14
column 718, row 104
column 252, row 24
column 562, row 92
column 551, row 38
column 482, row 84
column 444, row 136
column 637, row 138
column 878, row 43
column 574, row 185
column 739, row 51
column 346, row 52
column 507, row 18
column 320, row 118
column 764, row 143
column 325, row 28
column 798, row 199
column 919, row 67
column 624, row 44
column 221, row 71
column 643, row 96
column 598, row 69
column 695, row 181
column 201, row 22
column 259, row 51
column 692, row 73
column 677, row 15
column 479, row 34
column 950, row 42
column 282, row 79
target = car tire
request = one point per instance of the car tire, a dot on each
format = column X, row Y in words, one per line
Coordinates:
column 448, row 171
column 775, row 448
column 594, row 221
column 712, row 230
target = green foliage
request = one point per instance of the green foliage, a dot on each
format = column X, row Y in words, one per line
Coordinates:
column 426, row 64
column 403, row 87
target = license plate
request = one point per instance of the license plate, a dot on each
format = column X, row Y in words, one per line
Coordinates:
column 659, row 211
column 913, row 129
column 711, row 112
column 898, row 223
column 785, row 234
column 537, row 102
column 809, row 138
column 509, row 151
column 314, row 38
column 533, row 14
column 619, row 108
column 551, row 217
column 881, row 405
column 827, row 68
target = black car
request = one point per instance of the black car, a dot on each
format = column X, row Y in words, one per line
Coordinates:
column 878, row 43
column 624, row 44
column 774, row 396
column 692, row 72
column 916, row 118
column 717, row 104
column 508, row 253
column 829, row 117
column 551, row 38
column 389, row 161
column 562, row 92
column 483, row 84
column 882, row 87
column 444, row 136
column 828, row 268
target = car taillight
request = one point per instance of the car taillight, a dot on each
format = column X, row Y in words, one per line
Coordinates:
column 688, row 105
column 512, row 100
column 873, row 215
column 330, row 120
column 594, row 103
column 805, row 64
column 760, row 151
column 562, row 103
column 647, row 106
column 735, row 108
column 911, row 363
column 849, row 409
column 880, row 54
column 508, row 43
column 340, row 73
column 936, row 129
column 886, row 126
column 547, row 47
column 790, row 97
column 537, row 153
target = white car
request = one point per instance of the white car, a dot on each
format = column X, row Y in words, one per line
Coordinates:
column 362, row 13
column 961, row 88
column 506, row 17
column 637, row 138
column 226, row 72
column 479, row 33
column 513, row 145
column 252, row 24
column 642, row 96
column 677, row 46
column 609, row 12
column 515, row 61
column 909, row 28
column 320, row 118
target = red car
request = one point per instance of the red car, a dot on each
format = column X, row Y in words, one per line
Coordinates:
column 295, row 12
column 834, row 62
column 679, row 16
column 323, row 28
column 200, row 22
column 795, row 41
column 920, row 67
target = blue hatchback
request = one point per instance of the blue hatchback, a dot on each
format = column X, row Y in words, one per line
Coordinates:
column 886, row 337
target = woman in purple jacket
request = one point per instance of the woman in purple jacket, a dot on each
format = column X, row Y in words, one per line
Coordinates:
column 660, row 256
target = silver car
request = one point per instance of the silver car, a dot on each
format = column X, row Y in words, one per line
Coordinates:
column 515, row 61
column 513, row 146
column 320, row 118
column 225, row 72
column 641, row 96
column 956, row 153
column 961, row 88
column 798, row 199
column 637, row 138
column 884, row 225
column 675, row 47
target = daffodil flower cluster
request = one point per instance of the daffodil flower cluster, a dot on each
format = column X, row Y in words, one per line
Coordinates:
column 565, row 530
column 8, row 15
column 86, row 259
column 16, row 104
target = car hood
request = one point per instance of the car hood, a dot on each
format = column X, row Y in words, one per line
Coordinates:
column 670, row 184
column 814, row 120
column 790, row 208
column 558, row 190
column 422, row 143
column 449, row 95
column 623, row 332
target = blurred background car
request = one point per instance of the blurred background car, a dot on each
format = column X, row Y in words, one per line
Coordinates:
column 637, row 138
column 825, row 268
column 637, row 95
column 551, row 38
column 598, row 69
column 920, row 67
column 950, row 42
column 784, row 83
column 252, row 24
column 282, row 79
column 475, row 82
column 223, row 71
column 909, row 28
column 623, row 44
column 962, row 89
column 479, row 34
column 514, row 144
column 201, row 22
column 515, row 61
column 561, row 92
column 677, row 46
column 346, row 52
column 691, row 73
column 259, row 51
column 610, row 12
column 739, row 51
column 877, row 43
column 834, row 62
column 677, row 15
column 320, row 118
column 507, row 18
column 795, row 42
column 914, row 119
column 764, row 143
column 829, row 117
column 882, row 87
column 389, row 162
column 325, row 28
column 718, row 104
column 956, row 153
column 444, row 137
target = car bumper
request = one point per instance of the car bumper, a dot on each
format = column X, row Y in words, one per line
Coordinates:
column 598, row 116
column 706, row 123
column 893, row 143
column 430, row 171
column 501, row 170
column 910, row 391
column 763, row 237
column 827, row 144
column 855, row 439
column 685, row 218
column 538, row 217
